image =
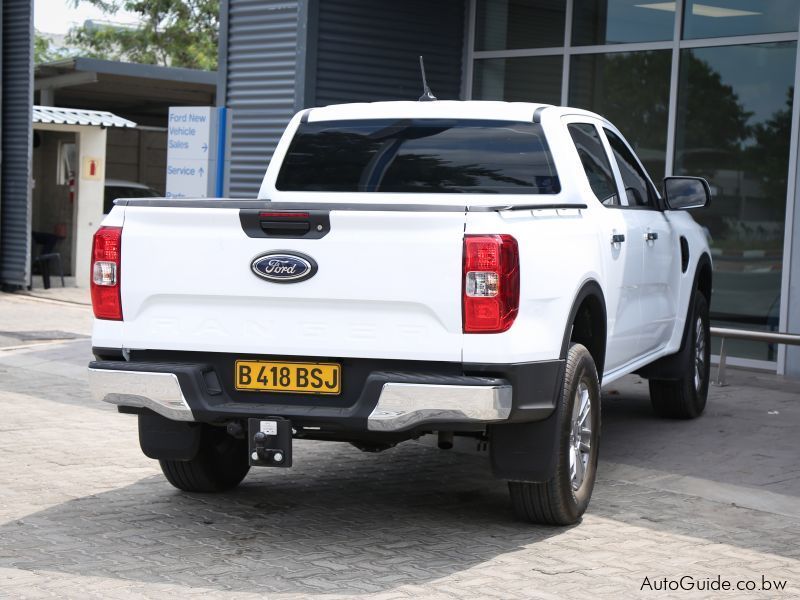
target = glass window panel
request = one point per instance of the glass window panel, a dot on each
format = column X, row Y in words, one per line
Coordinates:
column 595, row 162
column 621, row 21
column 637, row 189
column 527, row 79
column 419, row 156
column 733, row 128
column 510, row 24
column 630, row 89
column 718, row 18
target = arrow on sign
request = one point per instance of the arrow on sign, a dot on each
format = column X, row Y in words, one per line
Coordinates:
column 200, row 171
column 204, row 147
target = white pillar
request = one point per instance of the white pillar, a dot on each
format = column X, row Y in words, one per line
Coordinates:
column 89, row 199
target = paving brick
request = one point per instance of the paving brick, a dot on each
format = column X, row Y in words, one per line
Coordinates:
column 83, row 514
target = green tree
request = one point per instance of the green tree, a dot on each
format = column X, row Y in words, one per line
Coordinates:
column 177, row 33
column 768, row 158
column 44, row 51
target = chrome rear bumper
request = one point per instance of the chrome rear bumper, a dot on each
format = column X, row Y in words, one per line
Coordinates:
column 160, row 392
column 400, row 406
column 406, row 405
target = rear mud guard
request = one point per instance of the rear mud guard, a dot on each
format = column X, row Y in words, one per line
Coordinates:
column 163, row 439
column 524, row 451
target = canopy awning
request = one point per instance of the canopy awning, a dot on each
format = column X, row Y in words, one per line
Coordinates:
column 56, row 115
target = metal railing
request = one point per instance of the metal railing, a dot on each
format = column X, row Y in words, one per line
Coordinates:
column 788, row 339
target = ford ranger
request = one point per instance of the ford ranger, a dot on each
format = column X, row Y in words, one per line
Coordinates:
column 477, row 269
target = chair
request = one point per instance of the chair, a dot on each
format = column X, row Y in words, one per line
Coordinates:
column 48, row 242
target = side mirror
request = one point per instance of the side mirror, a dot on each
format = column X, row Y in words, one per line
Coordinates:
column 684, row 193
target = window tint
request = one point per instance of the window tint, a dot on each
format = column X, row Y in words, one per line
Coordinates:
column 421, row 156
column 595, row 162
column 704, row 18
column 621, row 21
column 520, row 79
column 637, row 188
column 506, row 24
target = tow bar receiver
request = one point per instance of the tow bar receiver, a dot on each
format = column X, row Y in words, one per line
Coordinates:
column 270, row 442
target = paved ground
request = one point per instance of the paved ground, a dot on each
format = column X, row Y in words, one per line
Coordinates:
column 84, row 515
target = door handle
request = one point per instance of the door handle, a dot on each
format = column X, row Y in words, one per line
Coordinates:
column 617, row 238
column 651, row 236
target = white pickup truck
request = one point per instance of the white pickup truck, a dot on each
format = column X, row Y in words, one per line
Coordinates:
column 458, row 268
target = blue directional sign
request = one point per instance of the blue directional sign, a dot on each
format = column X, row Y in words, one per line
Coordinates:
column 194, row 149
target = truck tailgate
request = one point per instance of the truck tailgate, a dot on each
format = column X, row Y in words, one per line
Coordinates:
column 388, row 285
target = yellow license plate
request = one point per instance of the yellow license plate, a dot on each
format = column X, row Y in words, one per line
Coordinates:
column 292, row 377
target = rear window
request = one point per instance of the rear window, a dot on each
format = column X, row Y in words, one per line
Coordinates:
column 423, row 156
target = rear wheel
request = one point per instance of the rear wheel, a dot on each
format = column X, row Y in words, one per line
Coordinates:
column 685, row 398
column 564, row 498
column 220, row 464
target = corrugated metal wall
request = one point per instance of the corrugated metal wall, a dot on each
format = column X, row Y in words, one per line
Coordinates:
column 17, row 97
column 259, row 84
column 278, row 56
column 368, row 50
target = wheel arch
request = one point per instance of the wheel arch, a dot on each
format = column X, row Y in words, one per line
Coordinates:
column 703, row 276
column 587, row 324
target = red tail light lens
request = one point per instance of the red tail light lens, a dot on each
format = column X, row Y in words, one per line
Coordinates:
column 106, row 299
column 490, row 298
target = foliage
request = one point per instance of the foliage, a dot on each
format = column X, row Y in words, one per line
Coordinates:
column 177, row 33
column 44, row 51
column 769, row 155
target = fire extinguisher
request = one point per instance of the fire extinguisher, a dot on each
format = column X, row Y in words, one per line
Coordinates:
column 71, row 184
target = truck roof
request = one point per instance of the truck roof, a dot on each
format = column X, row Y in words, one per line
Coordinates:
column 439, row 109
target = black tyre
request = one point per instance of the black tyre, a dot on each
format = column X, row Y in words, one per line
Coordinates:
column 220, row 464
column 685, row 398
column 563, row 499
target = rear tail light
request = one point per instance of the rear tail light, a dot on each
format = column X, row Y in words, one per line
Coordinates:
column 106, row 300
column 490, row 299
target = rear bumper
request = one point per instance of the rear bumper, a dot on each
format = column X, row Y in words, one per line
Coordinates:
column 400, row 406
column 407, row 405
column 379, row 397
column 159, row 392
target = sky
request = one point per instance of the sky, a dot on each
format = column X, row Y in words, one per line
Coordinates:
column 57, row 16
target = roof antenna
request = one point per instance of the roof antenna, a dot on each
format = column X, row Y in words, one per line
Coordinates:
column 427, row 96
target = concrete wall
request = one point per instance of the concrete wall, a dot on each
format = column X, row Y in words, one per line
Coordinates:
column 138, row 155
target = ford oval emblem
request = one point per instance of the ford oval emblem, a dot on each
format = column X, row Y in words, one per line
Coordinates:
column 284, row 267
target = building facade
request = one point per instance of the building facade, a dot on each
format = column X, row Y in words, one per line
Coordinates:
column 699, row 88
column 16, row 100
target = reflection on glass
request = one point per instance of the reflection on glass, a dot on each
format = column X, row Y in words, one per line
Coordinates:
column 717, row 18
column 508, row 24
column 528, row 79
column 630, row 89
column 621, row 21
column 733, row 128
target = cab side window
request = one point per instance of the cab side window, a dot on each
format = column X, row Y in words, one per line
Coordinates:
column 595, row 162
column 638, row 189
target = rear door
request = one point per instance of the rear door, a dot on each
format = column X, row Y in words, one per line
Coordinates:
column 659, row 247
column 387, row 284
column 621, row 255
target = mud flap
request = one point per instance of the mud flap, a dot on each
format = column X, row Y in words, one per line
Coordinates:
column 525, row 451
column 163, row 439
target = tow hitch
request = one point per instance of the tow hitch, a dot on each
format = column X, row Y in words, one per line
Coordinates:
column 270, row 442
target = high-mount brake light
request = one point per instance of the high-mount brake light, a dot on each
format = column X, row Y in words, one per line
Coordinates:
column 106, row 272
column 490, row 297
